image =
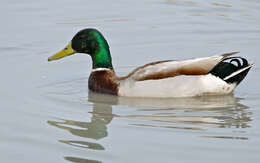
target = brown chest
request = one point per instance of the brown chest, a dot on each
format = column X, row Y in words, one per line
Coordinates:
column 102, row 82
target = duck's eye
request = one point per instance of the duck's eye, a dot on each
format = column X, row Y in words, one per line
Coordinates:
column 81, row 36
column 84, row 45
column 66, row 48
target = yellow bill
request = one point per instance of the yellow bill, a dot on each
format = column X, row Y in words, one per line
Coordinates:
column 63, row 53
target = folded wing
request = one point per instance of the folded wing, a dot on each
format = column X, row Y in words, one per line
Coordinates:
column 170, row 68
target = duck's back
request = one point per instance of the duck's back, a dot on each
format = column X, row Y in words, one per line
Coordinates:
column 215, row 75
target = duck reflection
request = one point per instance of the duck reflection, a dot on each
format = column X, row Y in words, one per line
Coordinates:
column 95, row 129
column 179, row 113
column 80, row 160
column 215, row 111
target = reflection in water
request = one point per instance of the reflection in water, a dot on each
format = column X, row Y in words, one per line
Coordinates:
column 80, row 160
column 83, row 144
column 95, row 129
column 181, row 2
column 214, row 111
column 197, row 114
column 192, row 3
column 226, row 137
column 221, row 5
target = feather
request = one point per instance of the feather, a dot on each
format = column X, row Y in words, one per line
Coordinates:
column 226, row 55
column 171, row 68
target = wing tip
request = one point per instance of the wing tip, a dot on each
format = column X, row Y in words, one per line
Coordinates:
column 225, row 55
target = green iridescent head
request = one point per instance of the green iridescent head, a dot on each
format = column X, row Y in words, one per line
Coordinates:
column 89, row 41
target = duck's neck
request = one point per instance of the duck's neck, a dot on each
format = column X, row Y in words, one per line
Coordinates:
column 101, row 55
column 102, row 59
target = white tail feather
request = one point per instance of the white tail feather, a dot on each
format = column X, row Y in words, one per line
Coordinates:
column 237, row 72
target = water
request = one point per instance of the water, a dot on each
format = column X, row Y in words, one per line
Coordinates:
column 47, row 114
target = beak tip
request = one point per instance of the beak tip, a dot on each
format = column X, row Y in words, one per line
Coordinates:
column 63, row 53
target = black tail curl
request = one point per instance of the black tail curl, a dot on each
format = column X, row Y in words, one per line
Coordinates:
column 229, row 69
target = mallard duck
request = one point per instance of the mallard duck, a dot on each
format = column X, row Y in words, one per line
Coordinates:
column 216, row 75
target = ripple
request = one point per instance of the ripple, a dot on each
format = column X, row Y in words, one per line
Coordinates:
column 83, row 144
column 225, row 137
column 80, row 160
column 221, row 5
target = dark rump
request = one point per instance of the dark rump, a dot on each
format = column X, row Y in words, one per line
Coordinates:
column 229, row 66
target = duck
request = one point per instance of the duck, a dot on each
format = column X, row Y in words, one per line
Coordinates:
column 215, row 75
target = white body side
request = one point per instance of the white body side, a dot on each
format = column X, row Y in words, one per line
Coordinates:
column 179, row 86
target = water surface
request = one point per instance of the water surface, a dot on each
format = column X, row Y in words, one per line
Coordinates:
column 48, row 115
